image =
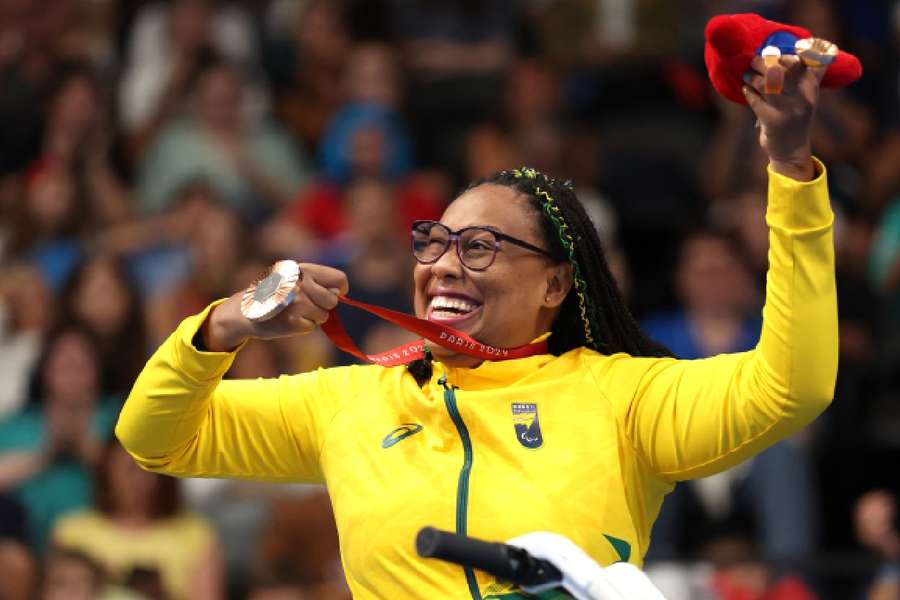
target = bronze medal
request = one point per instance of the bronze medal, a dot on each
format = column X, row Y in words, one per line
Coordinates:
column 272, row 292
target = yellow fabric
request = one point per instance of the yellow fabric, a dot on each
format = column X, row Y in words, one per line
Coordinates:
column 173, row 546
column 617, row 431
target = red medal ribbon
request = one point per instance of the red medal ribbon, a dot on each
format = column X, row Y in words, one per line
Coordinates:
column 434, row 332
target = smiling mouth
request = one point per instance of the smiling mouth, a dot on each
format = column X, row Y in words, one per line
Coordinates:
column 449, row 310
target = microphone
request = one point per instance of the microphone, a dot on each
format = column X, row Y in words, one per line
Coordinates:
column 501, row 560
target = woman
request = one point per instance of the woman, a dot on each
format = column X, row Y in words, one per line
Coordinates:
column 139, row 529
column 584, row 441
column 101, row 295
column 48, row 450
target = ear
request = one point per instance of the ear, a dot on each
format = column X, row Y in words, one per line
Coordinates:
column 559, row 282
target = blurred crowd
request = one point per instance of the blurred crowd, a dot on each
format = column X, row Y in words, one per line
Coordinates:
column 157, row 155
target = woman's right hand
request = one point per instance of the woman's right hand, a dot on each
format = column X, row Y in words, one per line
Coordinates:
column 226, row 327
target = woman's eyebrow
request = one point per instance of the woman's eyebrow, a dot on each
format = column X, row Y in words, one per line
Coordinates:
column 483, row 226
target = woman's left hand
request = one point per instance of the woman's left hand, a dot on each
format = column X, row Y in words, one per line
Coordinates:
column 785, row 118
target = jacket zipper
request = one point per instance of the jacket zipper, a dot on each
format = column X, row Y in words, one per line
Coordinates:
column 462, row 488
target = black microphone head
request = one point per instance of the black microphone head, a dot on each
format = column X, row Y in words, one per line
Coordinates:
column 426, row 541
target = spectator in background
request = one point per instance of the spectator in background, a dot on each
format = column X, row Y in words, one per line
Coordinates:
column 250, row 164
column 366, row 138
column 875, row 520
column 720, row 314
column 50, row 222
column 444, row 39
column 70, row 190
column 48, row 450
column 138, row 532
column 31, row 56
column 300, row 543
column 741, row 574
column 101, row 296
column 170, row 44
column 375, row 259
column 78, row 137
column 72, row 575
column 27, row 313
column 719, row 300
column 456, row 54
column 18, row 567
column 310, row 75
column 213, row 247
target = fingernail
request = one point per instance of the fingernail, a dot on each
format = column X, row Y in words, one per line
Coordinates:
column 748, row 76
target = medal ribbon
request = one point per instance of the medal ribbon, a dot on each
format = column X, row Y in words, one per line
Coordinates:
column 434, row 332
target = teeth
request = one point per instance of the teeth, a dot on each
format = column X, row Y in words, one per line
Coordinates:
column 455, row 304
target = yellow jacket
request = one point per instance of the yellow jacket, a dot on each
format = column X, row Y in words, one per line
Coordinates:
column 584, row 445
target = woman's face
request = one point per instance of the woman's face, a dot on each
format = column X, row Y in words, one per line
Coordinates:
column 51, row 200
column 505, row 305
column 76, row 104
column 102, row 299
column 71, row 371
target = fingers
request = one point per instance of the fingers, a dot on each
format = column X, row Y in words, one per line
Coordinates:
column 326, row 277
column 314, row 302
column 785, row 77
column 319, row 291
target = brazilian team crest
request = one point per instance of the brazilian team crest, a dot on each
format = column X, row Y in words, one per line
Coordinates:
column 528, row 428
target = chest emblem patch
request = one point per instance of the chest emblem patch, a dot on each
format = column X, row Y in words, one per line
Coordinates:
column 528, row 428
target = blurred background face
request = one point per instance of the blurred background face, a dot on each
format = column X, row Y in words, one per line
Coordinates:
column 370, row 212
column 76, row 104
column 69, row 579
column 216, row 241
column 102, row 299
column 711, row 279
column 51, row 199
column 189, row 24
column 371, row 76
column 28, row 301
column 71, row 373
column 219, row 97
column 368, row 151
column 131, row 488
column 321, row 34
column 489, row 150
column 532, row 92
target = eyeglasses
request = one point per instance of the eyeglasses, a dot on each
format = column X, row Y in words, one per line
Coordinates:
column 476, row 246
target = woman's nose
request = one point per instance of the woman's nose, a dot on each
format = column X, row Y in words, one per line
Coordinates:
column 448, row 265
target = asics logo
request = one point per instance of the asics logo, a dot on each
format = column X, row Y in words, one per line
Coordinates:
column 401, row 433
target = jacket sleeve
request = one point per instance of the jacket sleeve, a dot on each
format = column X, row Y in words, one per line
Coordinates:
column 182, row 419
column 692, row 418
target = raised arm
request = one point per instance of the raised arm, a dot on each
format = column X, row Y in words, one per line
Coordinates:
column 181, row 418
column 694, row 418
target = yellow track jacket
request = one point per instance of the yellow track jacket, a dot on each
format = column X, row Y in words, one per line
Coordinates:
column 583, row 444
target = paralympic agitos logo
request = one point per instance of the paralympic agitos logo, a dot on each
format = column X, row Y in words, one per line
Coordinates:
column 528, row 428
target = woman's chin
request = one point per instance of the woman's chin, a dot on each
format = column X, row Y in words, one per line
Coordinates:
column 451, row 358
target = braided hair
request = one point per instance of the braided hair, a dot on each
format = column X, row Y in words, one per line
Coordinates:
column 593, row 314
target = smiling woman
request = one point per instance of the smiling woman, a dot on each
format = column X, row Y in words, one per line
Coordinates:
column 583, row 438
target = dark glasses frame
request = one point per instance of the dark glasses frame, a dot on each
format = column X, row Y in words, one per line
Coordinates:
column 453, row 237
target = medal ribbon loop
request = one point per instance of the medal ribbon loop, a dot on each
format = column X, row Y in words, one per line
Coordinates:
column 433, row 332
